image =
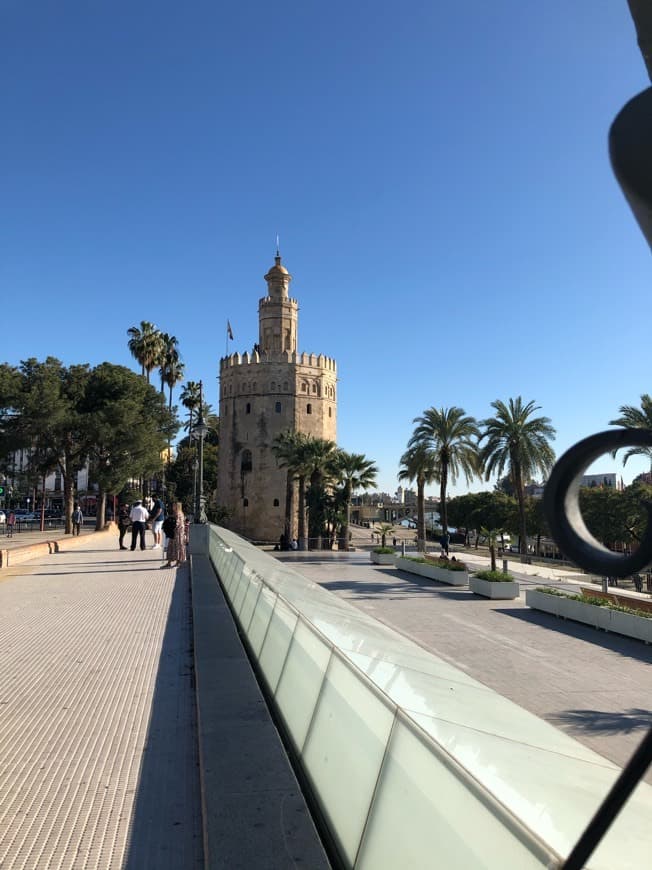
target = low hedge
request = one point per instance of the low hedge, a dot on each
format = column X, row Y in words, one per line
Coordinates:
column 382, row 551
column 598, row 602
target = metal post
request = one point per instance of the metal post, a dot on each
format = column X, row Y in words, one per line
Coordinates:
column 505, row 571
column 200, row 432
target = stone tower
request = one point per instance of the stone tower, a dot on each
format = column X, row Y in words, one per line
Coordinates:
column 264, row 392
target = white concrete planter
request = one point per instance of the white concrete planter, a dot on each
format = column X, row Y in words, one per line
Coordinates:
column 494, row 589
column 383, row 558
column 626, row 624
column 433, row 572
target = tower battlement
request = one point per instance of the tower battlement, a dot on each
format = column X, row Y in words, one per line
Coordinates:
column 269, row 300
column 318, row 361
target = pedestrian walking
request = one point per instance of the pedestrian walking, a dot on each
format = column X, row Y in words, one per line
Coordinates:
column 123, row 524
column 157, row 516
column 177, row 537
column 138, row 516
column 11, row 524
column 77, row 520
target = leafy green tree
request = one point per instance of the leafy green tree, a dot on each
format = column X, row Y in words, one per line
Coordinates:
column 128, row 426
column 518, row 441
column 353, row 471
column 146, row 346
column 418, row 463
column 452, row 437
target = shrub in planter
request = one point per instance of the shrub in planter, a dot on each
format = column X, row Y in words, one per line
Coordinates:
column 494, row 576
column 494, row 584
column 384, row 551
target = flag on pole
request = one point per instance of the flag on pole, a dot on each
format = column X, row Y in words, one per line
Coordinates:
column 229, row 331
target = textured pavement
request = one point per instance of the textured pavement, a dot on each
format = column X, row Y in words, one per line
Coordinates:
column 595, row 686
column 98, row 744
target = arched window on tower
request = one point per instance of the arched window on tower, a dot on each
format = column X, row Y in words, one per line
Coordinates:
column 277, row 407
column 276, row 503
column 248, row 408
column 308, row 409
column 246, row 463
column 314, row 388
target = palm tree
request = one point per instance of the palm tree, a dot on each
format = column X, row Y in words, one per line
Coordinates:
column 320, row 455
column 190, row 400
column 452, row 437
column 636, row 418
column 517, row 441
column 287, row 449
column 354, row 471
column 145, row 345
column 419, row 464
column 170, row 365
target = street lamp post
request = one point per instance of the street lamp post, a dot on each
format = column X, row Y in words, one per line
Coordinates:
column 199, row 432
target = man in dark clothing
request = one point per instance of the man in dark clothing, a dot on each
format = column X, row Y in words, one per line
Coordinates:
column 123, row 523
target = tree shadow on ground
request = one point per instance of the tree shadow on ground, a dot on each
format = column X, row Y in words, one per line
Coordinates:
column 624, row 646
column 605, row 721
column 401, row 585
column 165, row 831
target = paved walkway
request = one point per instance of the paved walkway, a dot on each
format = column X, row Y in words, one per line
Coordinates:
column 98, row 743
column 594, row 686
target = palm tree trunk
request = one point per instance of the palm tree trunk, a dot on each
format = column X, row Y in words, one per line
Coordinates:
column 289, row 507
column 302, row 513
column 421, row 515
column 443, row 510
column 520, row 495
column 343, row 543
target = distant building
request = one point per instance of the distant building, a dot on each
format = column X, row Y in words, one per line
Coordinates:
column 604, row 481
column 645, row 477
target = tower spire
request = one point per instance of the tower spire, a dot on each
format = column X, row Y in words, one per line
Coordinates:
column 278, row 251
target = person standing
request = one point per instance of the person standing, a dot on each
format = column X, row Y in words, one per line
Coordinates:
column 138, row 516
column 11, row 523
column 157, row 515
column 176, row 551
column 123, row 524
column 77, row 520
column 445, row 542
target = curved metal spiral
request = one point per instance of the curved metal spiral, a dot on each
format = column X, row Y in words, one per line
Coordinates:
column 562, row 507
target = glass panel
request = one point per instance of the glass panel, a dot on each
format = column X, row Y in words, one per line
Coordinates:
column 422, row 808
column 344, row 751
column 301, row 681
column 249, row 603
column 277, row 642
column 239, row 584
column 259, row 624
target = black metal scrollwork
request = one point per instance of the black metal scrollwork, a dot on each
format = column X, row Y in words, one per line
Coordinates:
column 630, row 149
column 562, row 508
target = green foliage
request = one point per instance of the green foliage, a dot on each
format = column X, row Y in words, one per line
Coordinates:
column 383, row 551
column 494, row 576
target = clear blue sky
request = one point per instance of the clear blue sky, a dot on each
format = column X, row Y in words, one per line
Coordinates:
column 437, row 173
